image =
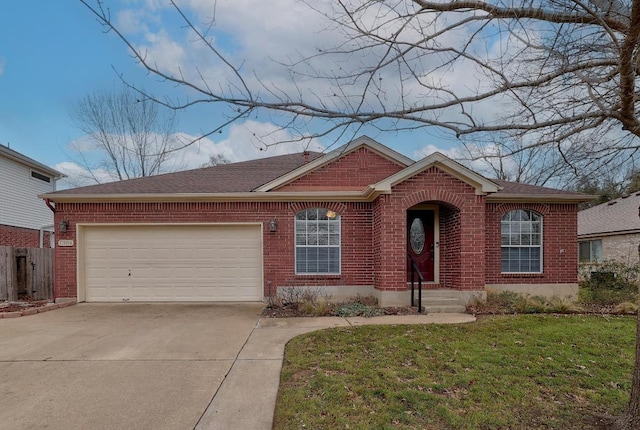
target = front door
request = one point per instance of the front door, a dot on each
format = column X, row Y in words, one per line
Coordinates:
column 420, row 243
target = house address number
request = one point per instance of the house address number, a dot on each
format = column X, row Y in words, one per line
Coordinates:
column 68, row 242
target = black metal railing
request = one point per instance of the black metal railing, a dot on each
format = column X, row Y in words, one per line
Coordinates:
column 414, row 271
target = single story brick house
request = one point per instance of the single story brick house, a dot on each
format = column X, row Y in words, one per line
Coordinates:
column 346, row 222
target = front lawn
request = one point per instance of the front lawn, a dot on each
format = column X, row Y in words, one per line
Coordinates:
column 506, row 372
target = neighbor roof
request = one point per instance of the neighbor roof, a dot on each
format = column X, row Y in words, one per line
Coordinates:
column 9, row 153
column 619, row 216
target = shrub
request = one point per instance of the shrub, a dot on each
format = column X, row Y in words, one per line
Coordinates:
column 508, row 302
column 356, row 309
column 563, row 306
column 626, row 308
column 495, row 303
column 530, row 305
column 609, row 283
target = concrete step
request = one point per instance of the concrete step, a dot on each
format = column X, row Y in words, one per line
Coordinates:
column 438, row 302
column 443, row 309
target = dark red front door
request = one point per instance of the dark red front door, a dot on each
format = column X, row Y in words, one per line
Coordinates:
column 420, row 242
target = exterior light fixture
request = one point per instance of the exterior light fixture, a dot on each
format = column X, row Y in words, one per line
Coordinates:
column 273, row 224
column 331, row 214
column 63, row 226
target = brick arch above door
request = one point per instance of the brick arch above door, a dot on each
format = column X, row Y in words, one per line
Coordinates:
column 433, row 195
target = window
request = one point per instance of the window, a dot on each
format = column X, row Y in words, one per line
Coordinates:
column 317, row 242
column 521, row 240
column 590, row 251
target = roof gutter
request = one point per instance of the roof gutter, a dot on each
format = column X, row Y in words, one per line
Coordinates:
column 538, row 198
column 367, row 195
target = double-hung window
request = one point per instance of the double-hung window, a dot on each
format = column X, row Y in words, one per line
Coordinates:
column 317, row 241
column 521, row 242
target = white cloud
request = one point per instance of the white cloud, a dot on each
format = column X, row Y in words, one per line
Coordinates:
column 429, row 149
column 131, row 21
column 78, row 176
column 245, row 141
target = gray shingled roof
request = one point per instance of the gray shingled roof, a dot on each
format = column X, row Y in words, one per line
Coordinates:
column 520, row 188
column 244, row 176
column 616, row 216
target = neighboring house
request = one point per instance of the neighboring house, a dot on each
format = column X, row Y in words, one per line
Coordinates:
column 344, row 222
column 610, row 231
column 25, row 220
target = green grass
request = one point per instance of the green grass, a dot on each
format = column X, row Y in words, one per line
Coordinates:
column 507, row 372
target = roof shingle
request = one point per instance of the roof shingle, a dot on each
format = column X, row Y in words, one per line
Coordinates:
column 616, row 216
column 244, row 176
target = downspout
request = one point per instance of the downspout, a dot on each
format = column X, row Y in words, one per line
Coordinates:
column 53, row 209
column 42, row 228
column 48, row 202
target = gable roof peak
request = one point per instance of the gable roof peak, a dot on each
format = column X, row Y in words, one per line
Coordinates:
column 362, row 141
column 479, row 182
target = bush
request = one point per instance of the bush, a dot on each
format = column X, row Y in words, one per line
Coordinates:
column 530, row 305
column 357, row 309
column 508, row 302
column 609, row 283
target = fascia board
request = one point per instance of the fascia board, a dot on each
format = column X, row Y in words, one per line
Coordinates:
column 30, row 163
column 366, row 195
column 480, row 183
column 597, row 235
column 536, row 198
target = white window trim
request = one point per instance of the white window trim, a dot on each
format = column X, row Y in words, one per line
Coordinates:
column 591, row 259
column 541, row 246
column 295, row 247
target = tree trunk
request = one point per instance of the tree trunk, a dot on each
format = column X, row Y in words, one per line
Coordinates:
column 631, row 418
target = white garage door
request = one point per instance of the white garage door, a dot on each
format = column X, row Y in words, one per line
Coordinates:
column 172, row 263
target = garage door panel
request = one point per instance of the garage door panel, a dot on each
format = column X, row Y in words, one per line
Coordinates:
column 172, row 263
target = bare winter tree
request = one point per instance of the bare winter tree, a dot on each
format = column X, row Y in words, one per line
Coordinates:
column 547, row 72
column 548, row 68
column 513, row 160
column 126, row 135
column 216, row 160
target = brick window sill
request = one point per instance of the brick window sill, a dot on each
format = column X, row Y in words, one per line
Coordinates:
column 316, row 276
column 522, row 275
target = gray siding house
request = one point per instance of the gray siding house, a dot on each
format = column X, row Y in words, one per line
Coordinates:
column 610, row 231
column 22, row 213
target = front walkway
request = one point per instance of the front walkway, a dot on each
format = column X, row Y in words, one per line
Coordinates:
column 153, row 366
column 247, row 397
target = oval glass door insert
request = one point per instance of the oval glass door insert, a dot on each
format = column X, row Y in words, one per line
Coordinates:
column 417, row 236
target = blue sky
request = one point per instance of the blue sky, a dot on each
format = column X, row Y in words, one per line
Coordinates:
column 54, row 52
column 51, row 53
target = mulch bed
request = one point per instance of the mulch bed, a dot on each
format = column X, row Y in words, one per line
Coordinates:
column 22, row 305
column 294, row 311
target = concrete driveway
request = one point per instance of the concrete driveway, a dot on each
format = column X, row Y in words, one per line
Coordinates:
column 119, row 366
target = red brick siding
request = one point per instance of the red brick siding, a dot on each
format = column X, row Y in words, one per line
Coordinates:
column 466, row 269
column 450, row 243
column 278, row 246
column 357, row 169
column 22, row 237
column 560, row 246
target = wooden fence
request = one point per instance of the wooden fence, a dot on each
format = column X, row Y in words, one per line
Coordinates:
column 26, row 272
